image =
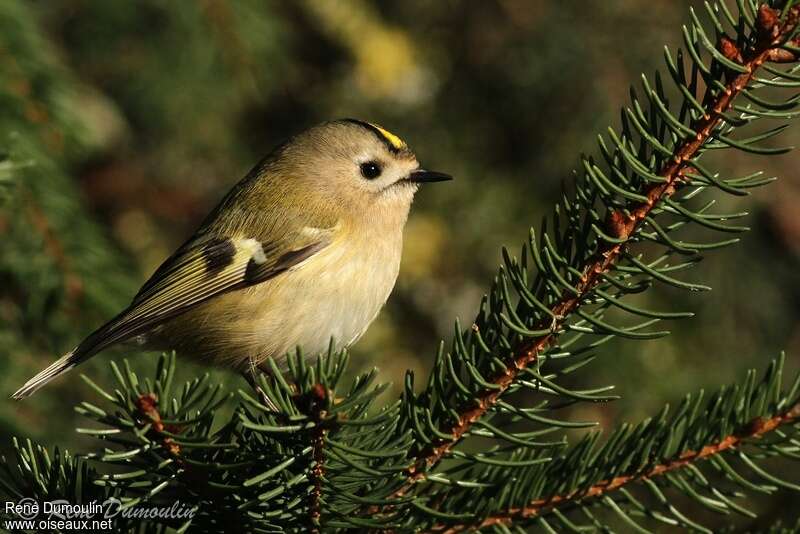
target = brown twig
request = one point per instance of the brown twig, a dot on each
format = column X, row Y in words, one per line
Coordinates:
column 315, row 402
column 771, row 34
column 147, row 405
column 753, row 430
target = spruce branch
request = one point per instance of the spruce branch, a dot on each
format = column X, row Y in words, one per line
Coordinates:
column 773, row 32
column 748, row 421
column 755, row 429
column 315, row 464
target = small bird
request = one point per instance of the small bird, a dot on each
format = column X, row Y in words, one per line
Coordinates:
column 304, row 250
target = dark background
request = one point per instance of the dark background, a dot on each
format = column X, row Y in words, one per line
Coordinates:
column 140, row 116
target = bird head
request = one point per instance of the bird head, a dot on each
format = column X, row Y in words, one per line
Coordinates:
column 356, row 169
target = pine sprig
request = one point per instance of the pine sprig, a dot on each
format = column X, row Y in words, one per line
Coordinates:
column 290, row 469
column 318, row 460
column 585, row 264
column 741, row 424
column 34, row 472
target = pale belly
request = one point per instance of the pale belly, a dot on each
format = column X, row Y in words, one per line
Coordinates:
column 333, row 295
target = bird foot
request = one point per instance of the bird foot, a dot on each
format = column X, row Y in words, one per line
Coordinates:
column 252, row 378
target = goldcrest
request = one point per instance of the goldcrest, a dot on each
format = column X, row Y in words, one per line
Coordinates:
column 304, row 250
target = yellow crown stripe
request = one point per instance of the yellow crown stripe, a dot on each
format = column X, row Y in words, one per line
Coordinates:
column 393, row 140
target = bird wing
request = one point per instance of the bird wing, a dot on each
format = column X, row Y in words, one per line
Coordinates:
column 205, row 267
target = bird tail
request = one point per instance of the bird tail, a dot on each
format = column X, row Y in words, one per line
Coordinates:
column 57, row 368
column 105, row 336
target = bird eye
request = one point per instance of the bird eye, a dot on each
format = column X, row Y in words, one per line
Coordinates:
column 370, row 170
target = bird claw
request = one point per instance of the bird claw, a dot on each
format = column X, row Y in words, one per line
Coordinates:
column 254, row 382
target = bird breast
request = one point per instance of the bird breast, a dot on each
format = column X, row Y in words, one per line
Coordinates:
column 334, row 294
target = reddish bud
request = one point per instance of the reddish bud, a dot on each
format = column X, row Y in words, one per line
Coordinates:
column 753, row 427
column 619, row 224
column 318, row 392
column 768, row 19
column 729, row 49
column 148, row 406
column 779, row 55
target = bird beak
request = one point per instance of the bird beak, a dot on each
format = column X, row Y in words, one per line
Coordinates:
column 421, row 175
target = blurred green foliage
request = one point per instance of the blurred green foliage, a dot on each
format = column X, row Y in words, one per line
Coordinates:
column 140, row 115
